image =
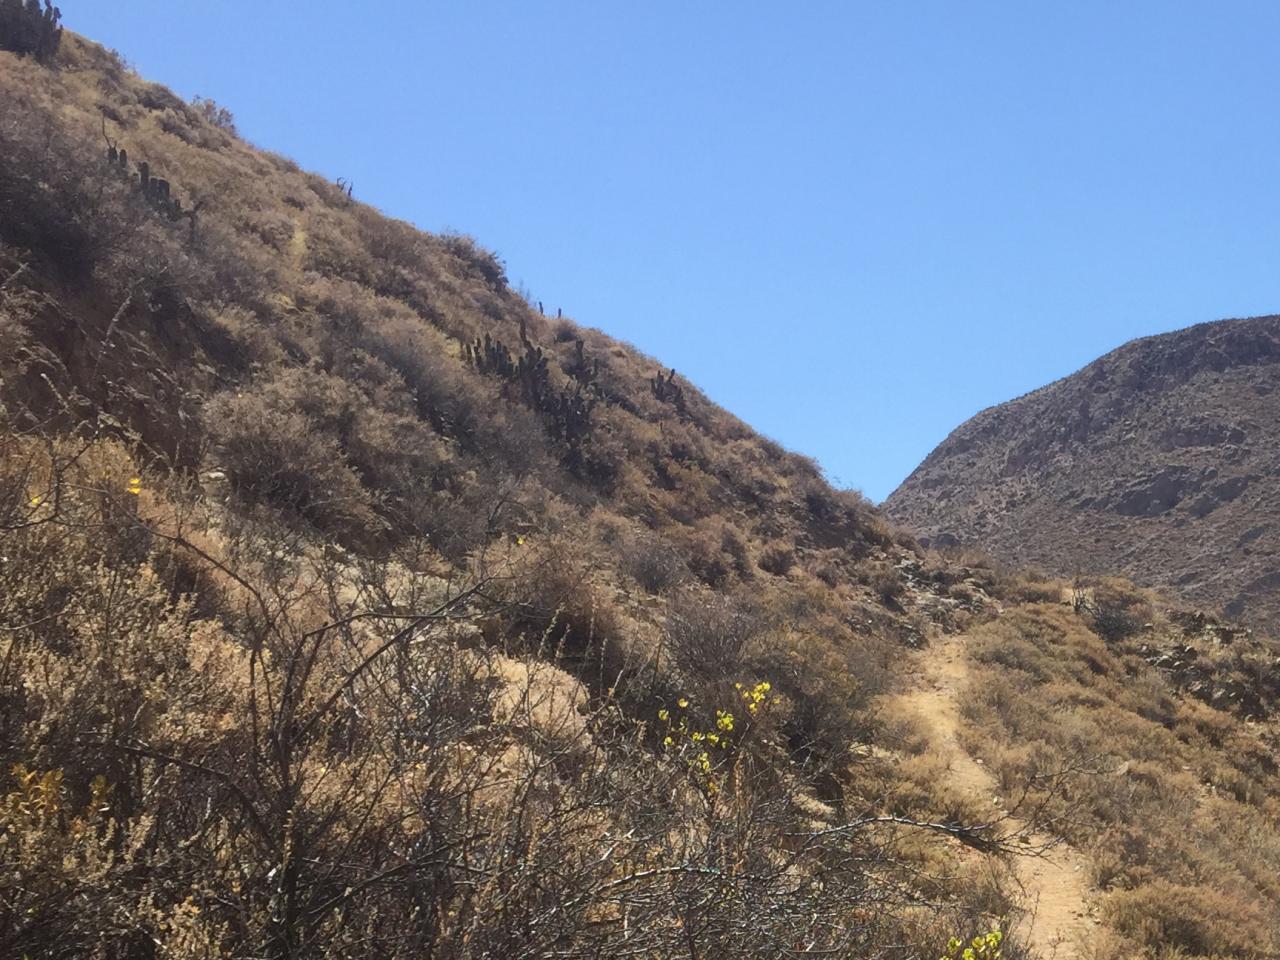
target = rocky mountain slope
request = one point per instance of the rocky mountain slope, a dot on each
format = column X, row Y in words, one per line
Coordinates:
column 1160, row 460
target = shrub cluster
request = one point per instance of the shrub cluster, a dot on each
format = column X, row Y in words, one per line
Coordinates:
column 312, row 757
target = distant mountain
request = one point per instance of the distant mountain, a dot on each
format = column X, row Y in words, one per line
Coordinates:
column 1161, row 460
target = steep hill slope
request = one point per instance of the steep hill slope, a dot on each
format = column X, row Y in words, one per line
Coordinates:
column 1160, row 461
column 351, row 607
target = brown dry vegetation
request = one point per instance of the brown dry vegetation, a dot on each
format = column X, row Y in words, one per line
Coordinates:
column 341, row 592
column 330, row 628
column 1177, row 800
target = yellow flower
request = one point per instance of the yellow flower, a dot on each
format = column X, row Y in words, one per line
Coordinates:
column 682, row 703
column 664, row 714
column 36, row 501
column 135, row 486
column 667, row 742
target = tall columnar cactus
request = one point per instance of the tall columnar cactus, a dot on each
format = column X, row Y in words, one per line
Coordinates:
column 492, row 357
column 668, row 391
column 50, row 32
column 566, row 411
column 581, row 369
column 28, row 29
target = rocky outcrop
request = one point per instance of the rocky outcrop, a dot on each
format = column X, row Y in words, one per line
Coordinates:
column 1218, row 664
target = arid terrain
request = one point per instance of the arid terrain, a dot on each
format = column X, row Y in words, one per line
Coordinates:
column 351, row 607
column 1159, row 461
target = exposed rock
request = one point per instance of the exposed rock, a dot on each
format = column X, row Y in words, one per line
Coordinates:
column 1161, row 461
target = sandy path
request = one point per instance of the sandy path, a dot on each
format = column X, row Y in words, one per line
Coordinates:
column 1055, row 890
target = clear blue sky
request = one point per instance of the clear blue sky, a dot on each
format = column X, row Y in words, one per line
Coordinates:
column 854, row 224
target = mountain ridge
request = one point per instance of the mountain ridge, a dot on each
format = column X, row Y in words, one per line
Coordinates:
column 1166, row 431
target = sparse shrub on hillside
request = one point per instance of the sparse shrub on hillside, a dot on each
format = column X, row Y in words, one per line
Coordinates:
column 1031, row 587
column 828, row 574
column 1116, row 610
column 275, row 455
column 706, row 634
column 1156, row 801
column 1196, row 920
column 777, row 560
column 474, row 257
column 564, row 331
column 651, row 562
column 215, row 114
column 887, row 583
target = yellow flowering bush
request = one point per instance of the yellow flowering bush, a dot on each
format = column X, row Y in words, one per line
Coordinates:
column 756, row 696
column 985, row 946
column 697, row 744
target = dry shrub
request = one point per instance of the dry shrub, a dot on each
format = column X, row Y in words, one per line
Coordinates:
column 274, row 454
column 887, row 584
column 1143, row 762
column 777, row 560
column 1199, row 920
column 1116, row 609
column 707, row 634
column 473, row 257
column 1031, row 587
column 651, row 562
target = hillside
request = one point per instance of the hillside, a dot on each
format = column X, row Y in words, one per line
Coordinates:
column 1159, row 461
column 350, row 607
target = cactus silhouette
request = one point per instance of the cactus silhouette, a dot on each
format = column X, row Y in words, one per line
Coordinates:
column 29, row 30
column 668, row 391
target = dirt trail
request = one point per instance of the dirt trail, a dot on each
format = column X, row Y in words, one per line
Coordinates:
column 1054, row 887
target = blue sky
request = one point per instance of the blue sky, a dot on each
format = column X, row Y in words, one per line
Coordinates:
column 853, row 224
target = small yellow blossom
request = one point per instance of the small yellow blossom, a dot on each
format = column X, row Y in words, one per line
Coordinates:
column 135, row 486
column 682, row 703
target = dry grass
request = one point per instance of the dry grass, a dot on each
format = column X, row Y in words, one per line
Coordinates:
column 1175, row 802
column 289, row 772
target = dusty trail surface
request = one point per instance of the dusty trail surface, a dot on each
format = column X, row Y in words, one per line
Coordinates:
column 1055, row 892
